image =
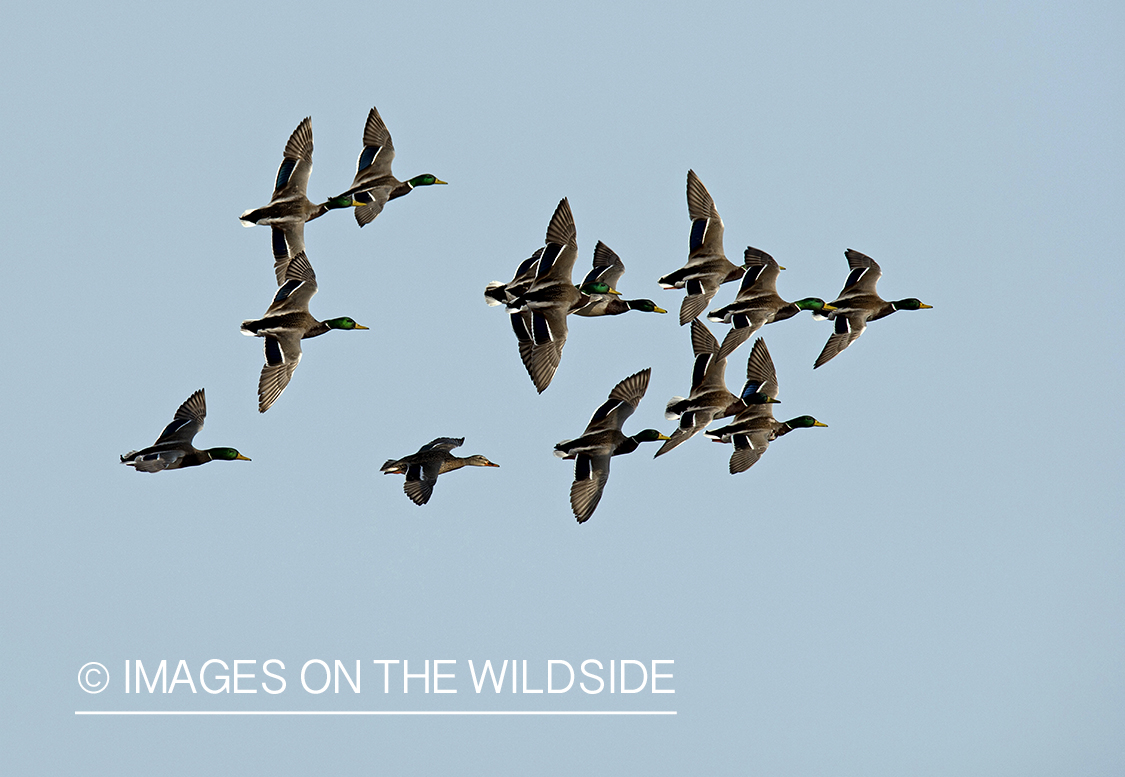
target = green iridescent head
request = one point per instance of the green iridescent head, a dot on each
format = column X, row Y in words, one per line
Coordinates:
column 425, row 179
column 343, row 323
column 804, row 422
column 340, row 202
column 911, row 303
column 814, row 303
column 226, row 454
column 758, row 398
column 598, row 287
column 649, row 435
column 645, row 306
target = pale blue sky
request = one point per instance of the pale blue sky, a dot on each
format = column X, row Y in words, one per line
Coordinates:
column 931, row 585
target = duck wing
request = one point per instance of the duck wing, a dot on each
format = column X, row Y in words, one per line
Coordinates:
column 442, row 444
column 865, row 273
column 706, row 224
column 848, row 330
column 297, row 289
column 296, row 164
column 283, row 354
column 187, row 421
column 748, row 448
column 590, row 476
column 373, row 169
column 608, row 267
column 761, row 376
column 622, row 403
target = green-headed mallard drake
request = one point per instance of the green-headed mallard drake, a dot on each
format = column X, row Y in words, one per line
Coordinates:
column 707, row 266
column 374, row 185
column 289, row 208
column 539, row 316
column 758, row 302
column 858, row 304
column 432, row 459
column 608, row 269
column 754, row 427
column 602, row 439
column 709, row 398
column 286, row 323
column 173, row 448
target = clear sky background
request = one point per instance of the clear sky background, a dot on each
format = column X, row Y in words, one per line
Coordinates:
column 932, row 585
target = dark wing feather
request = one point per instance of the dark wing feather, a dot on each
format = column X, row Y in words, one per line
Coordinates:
column 761, row 376
column 622, row 403
column 848, row 329
column 865, row 273
column 283, row 354
column 608, row 267
column 288, row 241
column 442, row 444
column 293, row 174
column 187, row 421
column 418, row 485
column 706, row 226
column 700, row 291
column 590, row 476
column 747, row 450
column 296, row 290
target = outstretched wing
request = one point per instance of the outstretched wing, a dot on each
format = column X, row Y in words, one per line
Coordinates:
column 608, row 267
column 848, row 329
column 298, row 288
column 557, row 261
column 420, row 482
column 700, row 292
column 761, row 377
column 283, row 354
column 296, row 163
column 288, row 241
column 443, row 444
column 761, row 275
column 622, row 402
column 590, row 476
column 748, row 448
column 706, row 225
column 865, row 273
column 186, row 423
column 374, row 164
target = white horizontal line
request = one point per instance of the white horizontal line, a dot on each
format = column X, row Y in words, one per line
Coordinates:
column 374, row 712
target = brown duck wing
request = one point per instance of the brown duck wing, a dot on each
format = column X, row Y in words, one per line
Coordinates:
column 622, row 402
column 187, row 421
column 590, row 476
column 848, row 329
column 706, row 225
column 296, row 164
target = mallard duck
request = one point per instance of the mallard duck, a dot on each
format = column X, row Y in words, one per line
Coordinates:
column 374, row 185
column 707, row 267
column 173, row 448
column 608, row 269
column 709, row 398
column 754, row 427
column 758, row 302
column 859, row 304
column 602, row 439
column 432, row 459
column 286, row 323
column 601, row 298
column 539, row 316
column 289, row 208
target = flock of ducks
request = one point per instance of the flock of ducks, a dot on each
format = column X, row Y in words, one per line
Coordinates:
column 538, row 299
